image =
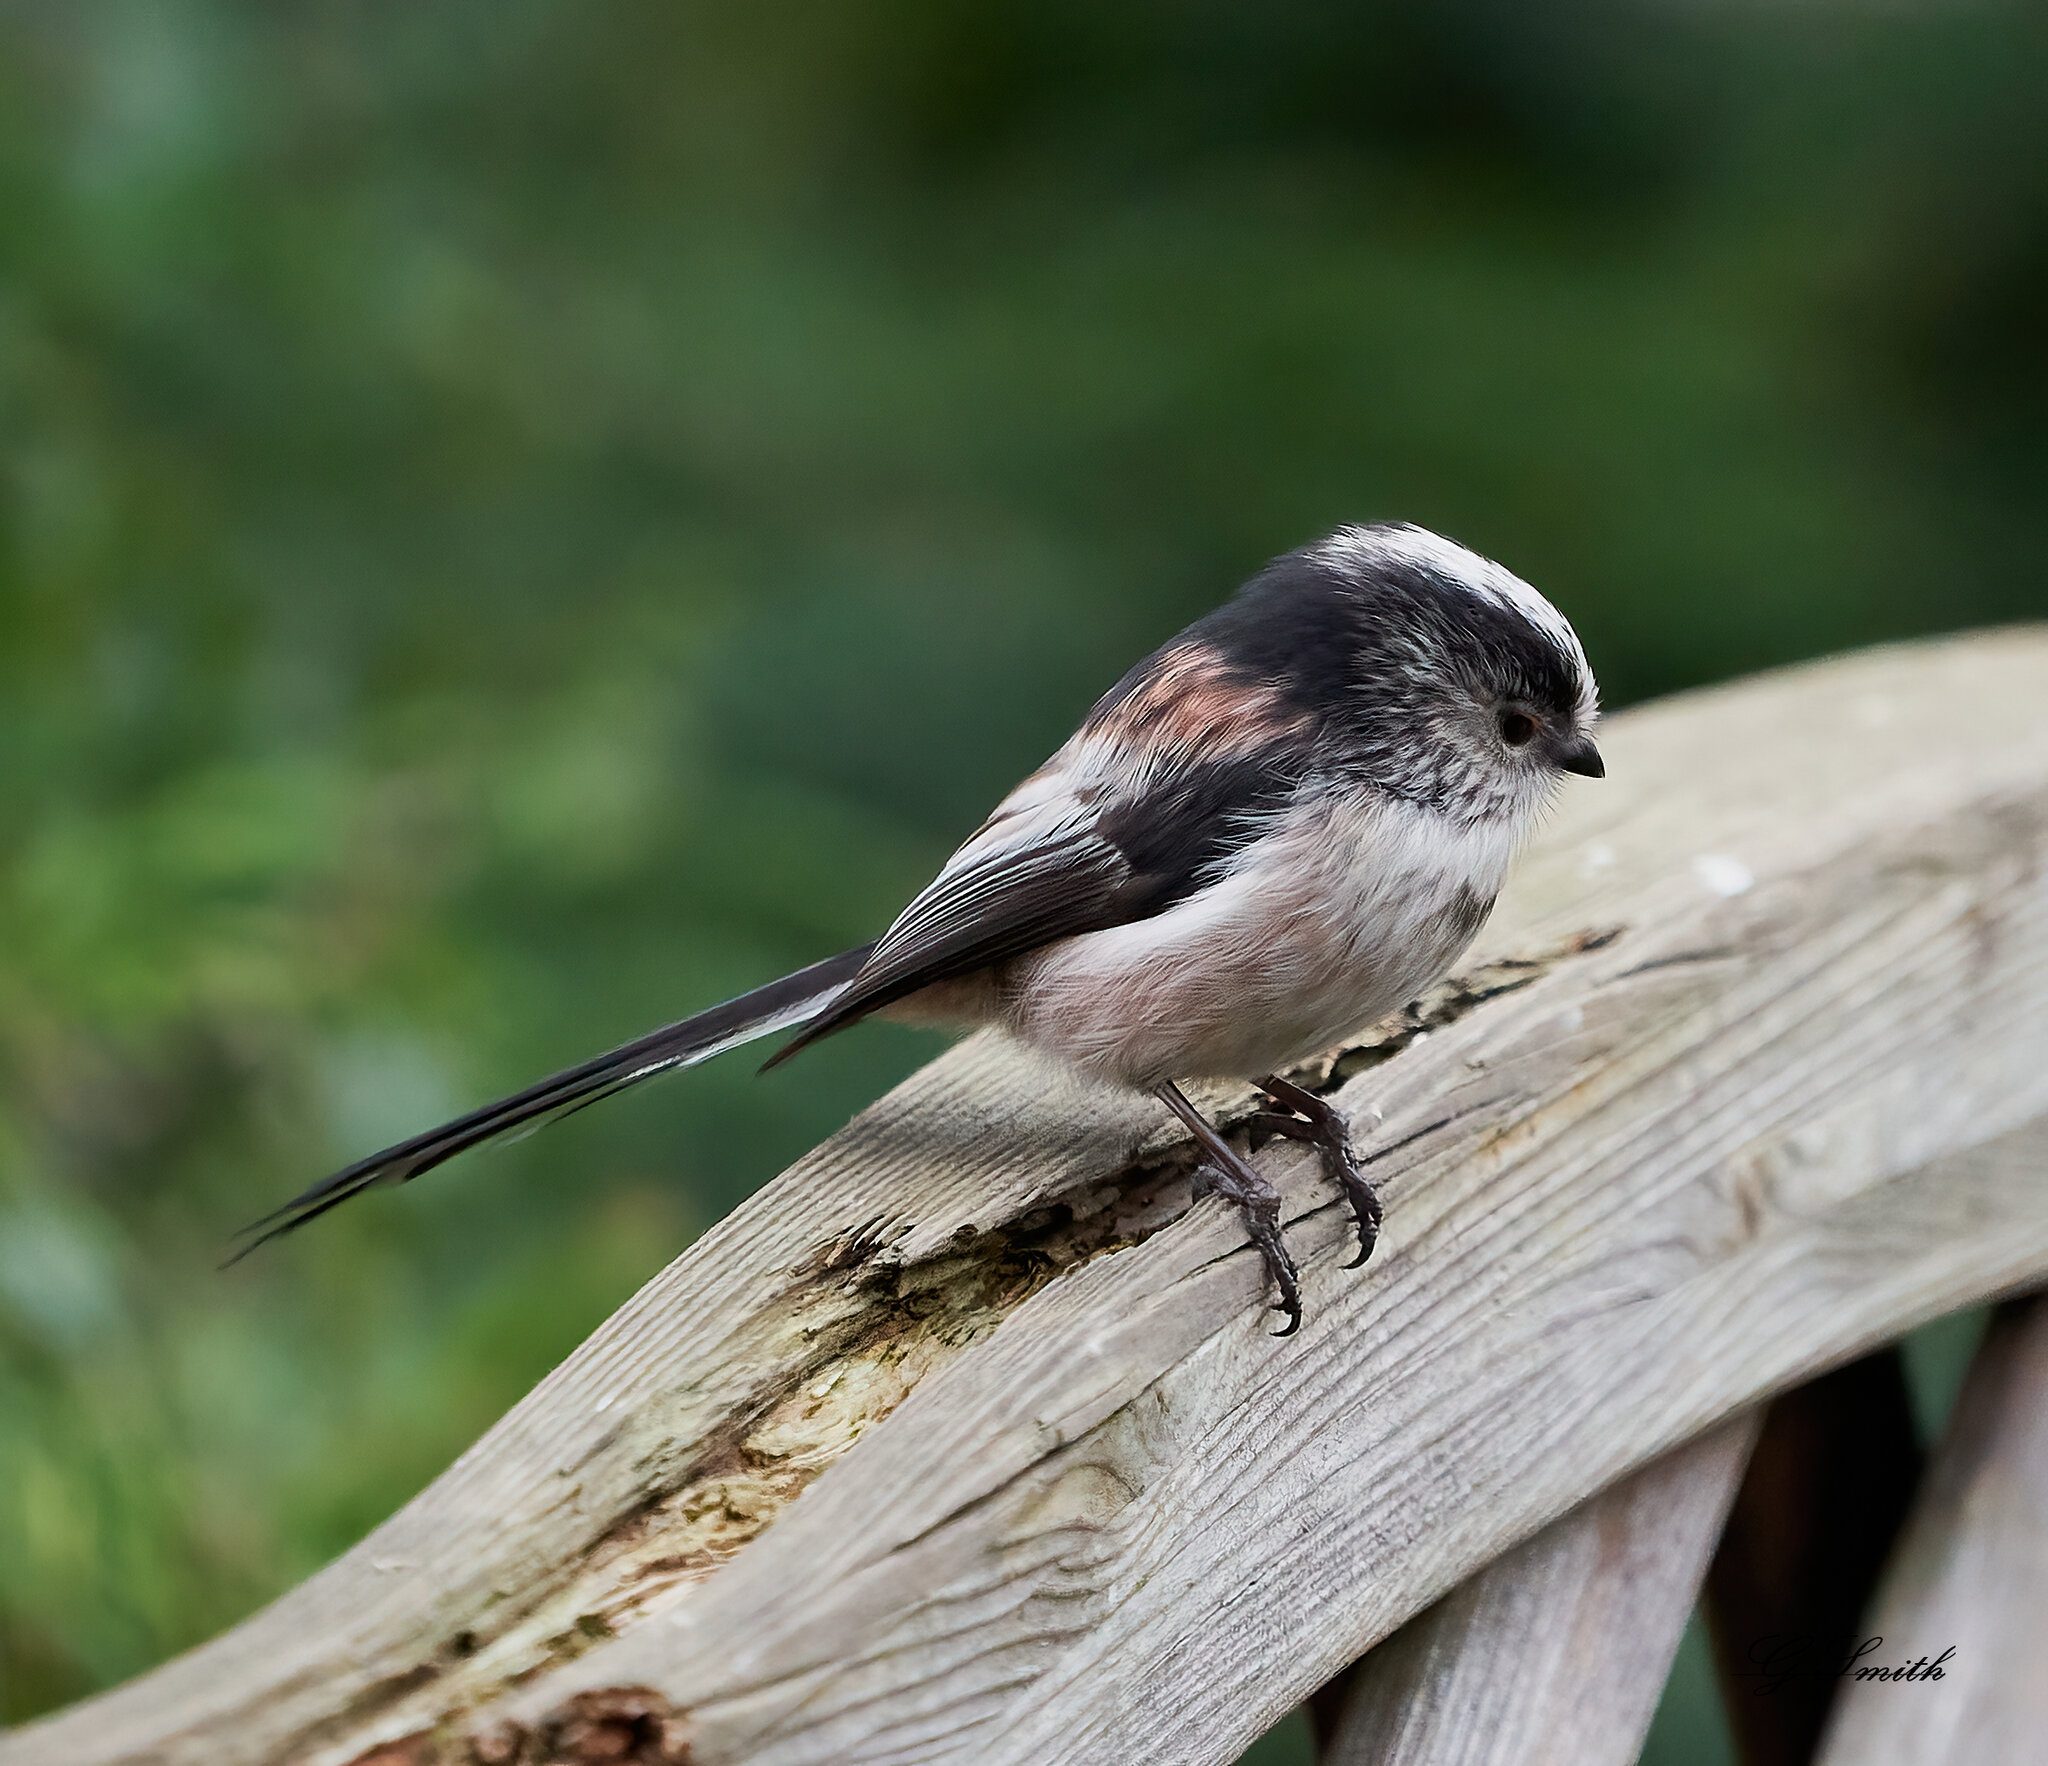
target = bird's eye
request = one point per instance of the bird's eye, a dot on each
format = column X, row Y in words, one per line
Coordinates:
column 1517, row 728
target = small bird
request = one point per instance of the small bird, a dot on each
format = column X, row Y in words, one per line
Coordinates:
column 1282, row 825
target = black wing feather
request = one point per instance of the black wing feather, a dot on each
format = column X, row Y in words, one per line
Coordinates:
column 979, row 914
column 1132, row 858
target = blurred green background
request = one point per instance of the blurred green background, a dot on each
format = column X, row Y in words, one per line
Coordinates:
column 521, row 519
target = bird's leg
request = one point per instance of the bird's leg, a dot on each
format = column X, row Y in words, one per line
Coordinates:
column 1303, row 1116
column 1229, row 1176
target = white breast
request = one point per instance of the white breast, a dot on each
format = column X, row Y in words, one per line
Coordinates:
column 1339, row 915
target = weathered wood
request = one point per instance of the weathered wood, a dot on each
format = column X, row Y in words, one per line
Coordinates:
column 1555, row 1654
column 965, row 1441
column 1827, row 1489
column 1970, row 1578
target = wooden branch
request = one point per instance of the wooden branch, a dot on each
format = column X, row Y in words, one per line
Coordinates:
column 1555, row 1654
column 964, row 1441
column 1970, row 1582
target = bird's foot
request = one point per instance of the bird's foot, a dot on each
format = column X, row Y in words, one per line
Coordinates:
column 1303, row 1116
column 1260, row 1203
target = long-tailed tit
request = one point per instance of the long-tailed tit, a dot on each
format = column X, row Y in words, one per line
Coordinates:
column 1280, row 826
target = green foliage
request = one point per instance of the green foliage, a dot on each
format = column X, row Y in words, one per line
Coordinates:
column 522, row 520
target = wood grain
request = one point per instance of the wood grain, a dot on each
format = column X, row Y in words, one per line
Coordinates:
column 1970, row 1578
column 1555, row 1654
column 964, row 1440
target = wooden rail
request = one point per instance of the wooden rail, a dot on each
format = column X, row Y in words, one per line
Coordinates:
column 1970, row 1578
column 964, row 1441
column 1555, row 1654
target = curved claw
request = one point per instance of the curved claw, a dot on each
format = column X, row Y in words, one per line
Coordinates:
column 1312, row 1121
column 1261, row 1210
column 1365, row 1210
column 1223, row 1172
column 1265, row 1235
column 1285, row 1278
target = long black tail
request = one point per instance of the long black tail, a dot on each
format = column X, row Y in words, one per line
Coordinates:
column 795, row 999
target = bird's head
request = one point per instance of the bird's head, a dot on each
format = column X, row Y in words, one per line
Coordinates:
column 1468, row 690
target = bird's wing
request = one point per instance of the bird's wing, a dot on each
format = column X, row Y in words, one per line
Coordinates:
column 1173, row 772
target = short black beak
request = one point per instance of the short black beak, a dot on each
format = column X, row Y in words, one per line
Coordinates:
column 1581, row 757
